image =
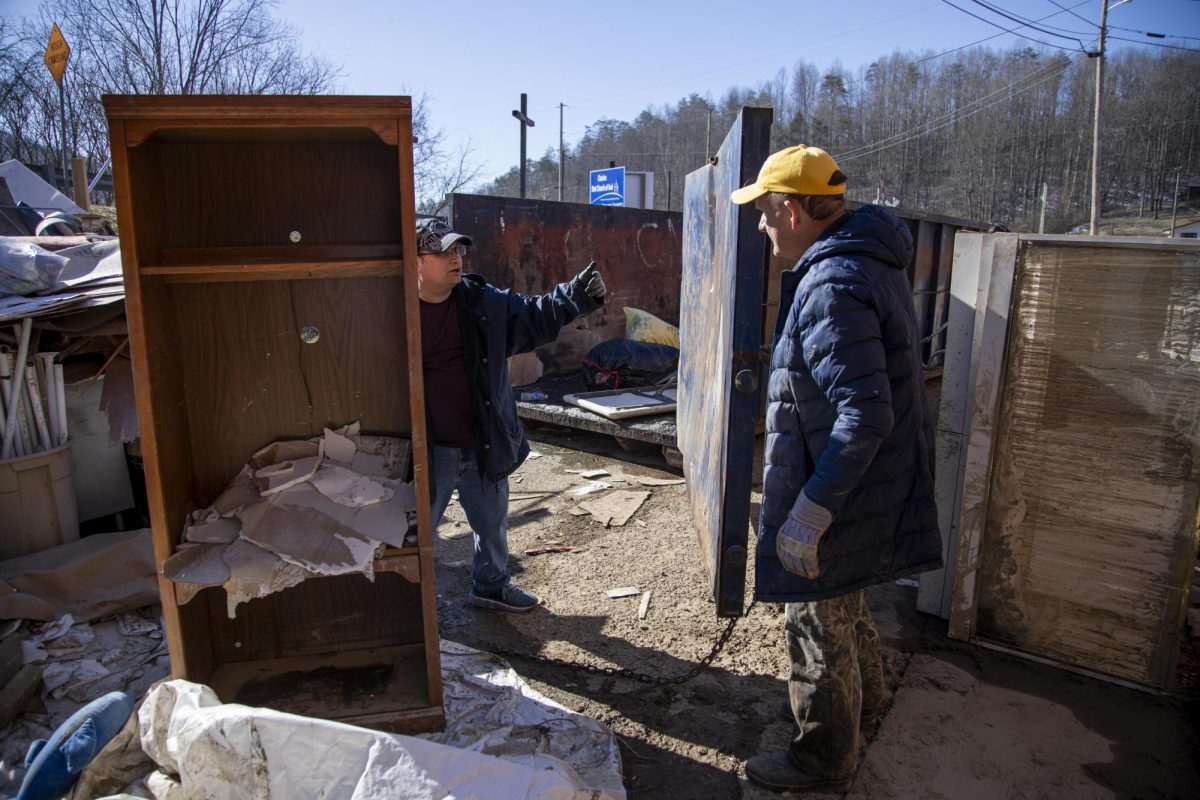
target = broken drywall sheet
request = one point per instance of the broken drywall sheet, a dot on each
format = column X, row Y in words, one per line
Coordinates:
column 240, row 492
column 306, row 537
column 213, row 530
column 338, row 447
column 299, row 509
column 275, row 478
column 348, row 488
column 200, row 564
column 615, row 509
column 255, row 572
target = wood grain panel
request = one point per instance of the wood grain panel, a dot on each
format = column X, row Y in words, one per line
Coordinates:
column 321, row 615
column 211, row 194
column 1091, row 524
column 252, row 380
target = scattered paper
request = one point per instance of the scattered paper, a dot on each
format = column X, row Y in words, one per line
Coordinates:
column 578, row 512
column 534, row 454
column 594, row 473
column 624, row 591
column 644, row 606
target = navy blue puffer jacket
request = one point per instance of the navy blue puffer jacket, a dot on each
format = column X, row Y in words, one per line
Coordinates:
column 846, row 414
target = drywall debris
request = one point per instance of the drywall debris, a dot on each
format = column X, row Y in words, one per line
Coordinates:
column 644, row 606
column 615, row 509
column 594, row 486
column 646, row 480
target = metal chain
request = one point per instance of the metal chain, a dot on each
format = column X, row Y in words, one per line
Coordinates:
column 625, row 672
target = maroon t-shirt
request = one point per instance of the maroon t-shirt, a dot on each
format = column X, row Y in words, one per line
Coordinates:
column 447, row 391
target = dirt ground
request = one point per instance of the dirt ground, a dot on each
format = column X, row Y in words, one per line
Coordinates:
column 963, row 721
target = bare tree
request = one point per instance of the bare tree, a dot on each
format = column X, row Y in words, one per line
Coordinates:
column 437, row 171
column 141, row 47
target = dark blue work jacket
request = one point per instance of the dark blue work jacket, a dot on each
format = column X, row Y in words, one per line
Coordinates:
column 498, row 323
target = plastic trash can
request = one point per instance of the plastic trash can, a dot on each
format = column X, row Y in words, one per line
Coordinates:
column 37, row 502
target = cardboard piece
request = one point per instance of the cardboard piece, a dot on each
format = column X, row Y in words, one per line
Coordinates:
column 88, row 578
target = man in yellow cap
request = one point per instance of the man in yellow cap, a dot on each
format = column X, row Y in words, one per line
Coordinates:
column 848, row 459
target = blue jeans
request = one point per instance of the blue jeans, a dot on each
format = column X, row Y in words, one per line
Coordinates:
column 486, row 504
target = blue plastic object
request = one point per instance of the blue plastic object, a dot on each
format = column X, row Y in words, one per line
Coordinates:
column 55, row 763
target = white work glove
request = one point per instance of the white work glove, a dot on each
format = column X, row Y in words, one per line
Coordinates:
column 799, row 536
column 593, row 284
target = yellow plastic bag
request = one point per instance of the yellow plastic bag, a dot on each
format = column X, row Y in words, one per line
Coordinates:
column 645, row 327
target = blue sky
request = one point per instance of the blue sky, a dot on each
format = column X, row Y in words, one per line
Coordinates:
column 615, row 58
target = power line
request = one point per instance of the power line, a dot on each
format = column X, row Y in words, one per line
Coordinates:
column 1120, row 28
column 1157, row 44
column 1012, row 30
column 1047, row 29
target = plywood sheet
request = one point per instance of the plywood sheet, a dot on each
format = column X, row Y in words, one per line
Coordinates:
column 1091, row 522
column 721, row 298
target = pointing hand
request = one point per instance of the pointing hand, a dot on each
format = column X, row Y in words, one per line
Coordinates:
column 593, row 284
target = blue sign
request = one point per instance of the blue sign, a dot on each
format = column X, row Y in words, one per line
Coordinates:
column 607, row 186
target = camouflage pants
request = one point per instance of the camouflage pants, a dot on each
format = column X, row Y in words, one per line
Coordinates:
column 836, row 681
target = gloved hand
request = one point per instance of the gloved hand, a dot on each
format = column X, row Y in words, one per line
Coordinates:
column 798, row 538
column 593, row 284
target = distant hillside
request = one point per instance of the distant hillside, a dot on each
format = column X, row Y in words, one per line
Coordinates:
column 975, row 133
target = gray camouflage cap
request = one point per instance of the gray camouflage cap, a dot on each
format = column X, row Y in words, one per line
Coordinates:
column 435, row 236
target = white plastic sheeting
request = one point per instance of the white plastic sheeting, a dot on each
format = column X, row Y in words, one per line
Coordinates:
column 502, row 739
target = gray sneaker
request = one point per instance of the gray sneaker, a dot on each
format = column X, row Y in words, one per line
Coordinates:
column 510, row 598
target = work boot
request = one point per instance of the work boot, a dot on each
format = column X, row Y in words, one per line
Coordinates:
column 511, row 598
column 775, row 771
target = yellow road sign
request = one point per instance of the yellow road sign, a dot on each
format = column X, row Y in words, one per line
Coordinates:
column 57, row 54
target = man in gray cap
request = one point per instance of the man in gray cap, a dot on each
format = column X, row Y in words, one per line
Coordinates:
column 469, row 328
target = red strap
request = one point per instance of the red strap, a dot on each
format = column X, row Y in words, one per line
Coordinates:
column 612, row 375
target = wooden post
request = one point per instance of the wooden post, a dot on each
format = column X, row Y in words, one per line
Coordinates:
column 79, row 183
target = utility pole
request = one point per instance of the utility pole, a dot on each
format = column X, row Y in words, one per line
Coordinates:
column 1174, row 202
column 560, row 152
column 526, row 122
column 1094, row 224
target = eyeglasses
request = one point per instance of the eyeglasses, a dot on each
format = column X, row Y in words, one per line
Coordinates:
column 459, row 250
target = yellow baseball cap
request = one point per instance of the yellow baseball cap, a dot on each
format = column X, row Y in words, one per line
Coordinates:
column 796, row 170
